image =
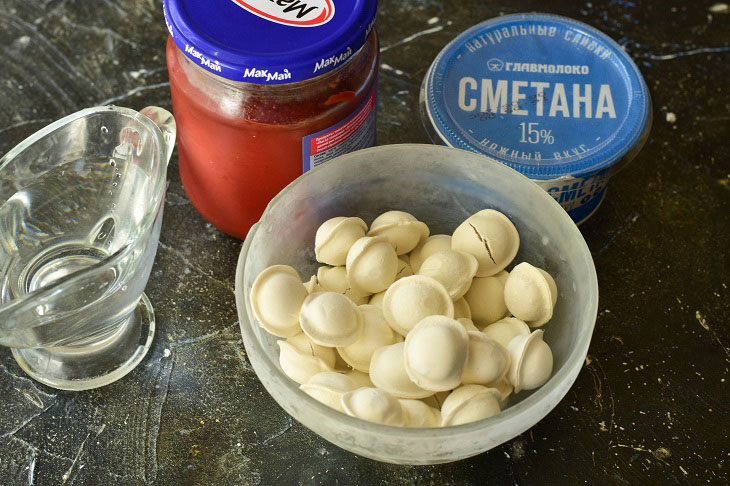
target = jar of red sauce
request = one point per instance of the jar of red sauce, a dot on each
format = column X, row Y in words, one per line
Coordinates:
column 264, row 90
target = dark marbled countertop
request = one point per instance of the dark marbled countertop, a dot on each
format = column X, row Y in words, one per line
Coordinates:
column 651, row 404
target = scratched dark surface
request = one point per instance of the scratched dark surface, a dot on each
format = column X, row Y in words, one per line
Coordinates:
column 649, row 407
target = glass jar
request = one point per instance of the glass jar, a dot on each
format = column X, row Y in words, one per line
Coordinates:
column 246, row 130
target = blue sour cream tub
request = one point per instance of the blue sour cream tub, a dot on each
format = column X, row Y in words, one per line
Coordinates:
column 550, row 97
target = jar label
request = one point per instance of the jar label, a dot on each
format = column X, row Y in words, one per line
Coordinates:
column 355, row 132
column 297, row 13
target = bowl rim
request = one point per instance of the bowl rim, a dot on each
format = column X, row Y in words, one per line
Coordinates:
column 513, row 413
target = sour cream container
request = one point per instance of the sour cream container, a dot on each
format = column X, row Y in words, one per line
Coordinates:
column 548, row 96
column 263, row 91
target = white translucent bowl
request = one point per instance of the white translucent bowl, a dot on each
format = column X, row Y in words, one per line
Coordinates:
column 440, row 186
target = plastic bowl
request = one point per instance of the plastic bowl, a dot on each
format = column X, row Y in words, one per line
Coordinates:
column 440, row 186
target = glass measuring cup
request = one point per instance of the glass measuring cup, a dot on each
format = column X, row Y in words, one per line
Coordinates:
column 80, row 213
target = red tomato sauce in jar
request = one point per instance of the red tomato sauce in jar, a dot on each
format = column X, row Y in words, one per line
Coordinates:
column 241, row 142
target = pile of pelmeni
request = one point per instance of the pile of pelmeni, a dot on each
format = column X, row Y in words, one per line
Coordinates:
column 407, row 329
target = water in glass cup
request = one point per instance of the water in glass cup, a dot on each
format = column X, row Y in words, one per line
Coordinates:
column 67, row 220
column 81, row 204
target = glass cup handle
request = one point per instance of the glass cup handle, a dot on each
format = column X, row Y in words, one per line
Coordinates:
column 166, row 123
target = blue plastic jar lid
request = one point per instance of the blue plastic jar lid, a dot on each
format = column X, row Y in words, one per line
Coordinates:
column 545, row 95
column 269, row 41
